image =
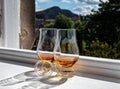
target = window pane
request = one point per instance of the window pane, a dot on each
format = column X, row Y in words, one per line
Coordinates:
column 97, row 23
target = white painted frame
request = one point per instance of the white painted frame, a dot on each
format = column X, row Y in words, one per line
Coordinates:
column 1, row 24
column 11, row 24
column 0, row 15
column 89, row 65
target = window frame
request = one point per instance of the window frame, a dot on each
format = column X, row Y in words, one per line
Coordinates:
column 0, row 15
column 0, row 19
column 91, row 65
column 10, row 23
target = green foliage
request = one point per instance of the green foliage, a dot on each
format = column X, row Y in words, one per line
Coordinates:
column 100, row 36
column 80, row 26
column 101, row 49
column 63, row 22
column 49, row 25
column 106, row 22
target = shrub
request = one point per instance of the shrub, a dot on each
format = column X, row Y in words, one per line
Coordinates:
column 101, row 49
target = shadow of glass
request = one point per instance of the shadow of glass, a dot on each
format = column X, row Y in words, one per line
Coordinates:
column 32, row 76
column 53, row 80
column 45, row 83
column 22, row 77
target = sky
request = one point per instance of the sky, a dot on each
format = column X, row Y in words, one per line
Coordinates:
column 82, row 7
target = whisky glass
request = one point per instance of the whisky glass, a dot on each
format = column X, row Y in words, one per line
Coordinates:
column 45, row 47
column 66, row 52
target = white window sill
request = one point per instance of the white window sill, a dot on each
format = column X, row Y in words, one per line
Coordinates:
column 99, row 66
column 92, row 72
column 19, row 55
column 92, row 65
column 89, row 65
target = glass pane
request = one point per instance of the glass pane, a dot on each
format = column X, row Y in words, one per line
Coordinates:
column 97, row 23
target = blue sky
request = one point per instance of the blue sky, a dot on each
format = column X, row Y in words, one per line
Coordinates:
column 82, row 7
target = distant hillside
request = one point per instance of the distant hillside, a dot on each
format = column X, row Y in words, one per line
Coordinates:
column 52, row 12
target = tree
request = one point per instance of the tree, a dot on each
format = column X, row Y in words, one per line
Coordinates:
column 106, row 22
column 78, row 24
column 80, row 27
column 63, row 22
column 49, row 25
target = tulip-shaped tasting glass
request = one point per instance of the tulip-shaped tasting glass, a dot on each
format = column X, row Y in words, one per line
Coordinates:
column 66, row 52
column 45, row 49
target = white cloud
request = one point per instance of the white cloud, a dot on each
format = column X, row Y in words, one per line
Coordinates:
column 69, row 1
column 42, row 1
column 66, row 1
column 76, row 1
column 84, row 10
column 104, row 0
column 90, row 1
column 87, row 6
column 37, row 4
